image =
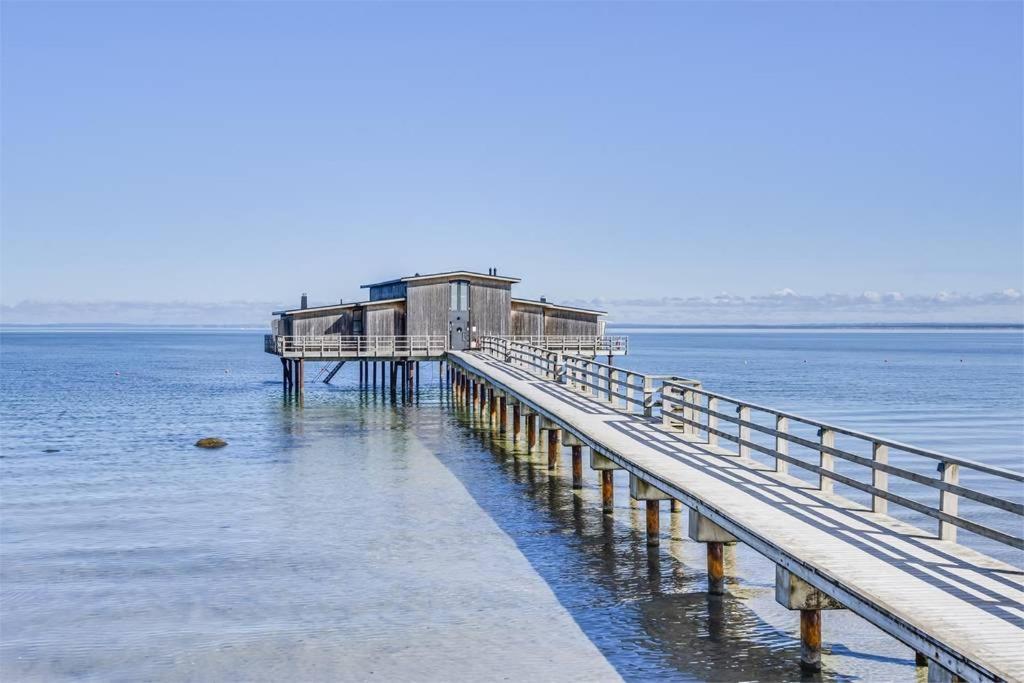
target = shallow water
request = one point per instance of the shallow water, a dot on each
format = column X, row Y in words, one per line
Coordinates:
column 350, row 537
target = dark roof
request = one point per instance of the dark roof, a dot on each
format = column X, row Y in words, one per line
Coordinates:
column 448, row 274
column 548, row 304
column 293, row 311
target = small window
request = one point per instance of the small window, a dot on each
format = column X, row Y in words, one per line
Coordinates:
column 357, row 321
column 459, row 295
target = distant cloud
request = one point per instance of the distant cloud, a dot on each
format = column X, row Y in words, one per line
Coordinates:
column 788, row 306
column 234, row 313
column 781, row 306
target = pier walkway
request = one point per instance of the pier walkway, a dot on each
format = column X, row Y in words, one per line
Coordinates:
column 958, row 608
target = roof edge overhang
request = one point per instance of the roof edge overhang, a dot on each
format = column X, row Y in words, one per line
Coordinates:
column 444, row 276
column 548, row 304
column 354, row 304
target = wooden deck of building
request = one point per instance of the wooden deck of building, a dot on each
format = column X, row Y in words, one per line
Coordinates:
column 958, row 608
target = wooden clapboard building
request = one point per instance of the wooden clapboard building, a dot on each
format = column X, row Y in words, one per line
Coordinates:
column 440, row 311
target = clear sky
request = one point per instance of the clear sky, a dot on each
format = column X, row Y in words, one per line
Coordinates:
column 640, row 155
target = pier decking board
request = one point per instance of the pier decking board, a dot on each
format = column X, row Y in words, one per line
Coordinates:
column 959, row 607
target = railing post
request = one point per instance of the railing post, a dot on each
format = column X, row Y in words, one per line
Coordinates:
column 689, row 413
column 879, row 479
column 648, row 395
column 667, row 407
column 825, row 460
column 781, row 443
column 743, row 432
column 948, row 502
column 712, row 421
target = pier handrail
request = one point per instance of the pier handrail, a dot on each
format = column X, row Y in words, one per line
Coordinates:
column 600, row 344
column 621, row 387
column 535, row 358
column 338, row 346
column 624, row 389
column 697, row 410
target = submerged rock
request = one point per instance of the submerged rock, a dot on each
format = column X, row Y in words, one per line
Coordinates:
column 211, row 442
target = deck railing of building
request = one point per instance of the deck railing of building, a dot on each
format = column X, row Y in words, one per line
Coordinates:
column 596, row 345
column 342, row 346
column 698, row 411
column 685, row 404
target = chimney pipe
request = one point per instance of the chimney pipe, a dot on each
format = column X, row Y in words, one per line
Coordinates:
column 304, row 301
column 543, row 298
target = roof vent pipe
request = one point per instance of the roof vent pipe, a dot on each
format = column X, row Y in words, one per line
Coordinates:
column 543, row 299
column 304, row 301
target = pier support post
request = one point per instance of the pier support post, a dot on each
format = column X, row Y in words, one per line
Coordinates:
column 492, row 406
column 794, row 593
column 531, row 431
column 284, row 374
column 642, row 490
column 473, row 392
column 577, row 467
column 502, row 414
column 607, row 469
column 515, row 422
column 299, row 376
column 810, row 639
column 554, row 447
column 703, row 530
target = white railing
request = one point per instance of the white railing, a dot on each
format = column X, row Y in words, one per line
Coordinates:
column 697, row 411
column 685, row 405
column 604, row 345
column 534, row 358
column 625, row 389
column 341, row 346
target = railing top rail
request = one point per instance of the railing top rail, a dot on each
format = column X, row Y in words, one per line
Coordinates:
column 865, row 436
column 609, row 366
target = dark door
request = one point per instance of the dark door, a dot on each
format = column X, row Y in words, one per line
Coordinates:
column 458, row 316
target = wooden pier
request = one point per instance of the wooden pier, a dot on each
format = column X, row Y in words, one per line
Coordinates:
column 960, row 611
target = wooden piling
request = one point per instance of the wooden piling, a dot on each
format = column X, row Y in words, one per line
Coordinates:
column 653, row 523
column 492, row 406
column 810, row 639
column 554, row 447
column 577, row 467
column 515, row 422
column 607, row 491
column 716, row 568
column 531, row 432
column 502, row 414
column 284, row 373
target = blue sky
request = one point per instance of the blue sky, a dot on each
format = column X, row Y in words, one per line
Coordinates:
column 847, row 160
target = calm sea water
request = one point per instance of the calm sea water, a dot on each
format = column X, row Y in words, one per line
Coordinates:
column 350, row 537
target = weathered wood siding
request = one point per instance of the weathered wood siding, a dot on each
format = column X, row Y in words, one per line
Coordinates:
column 395, row 290
column 527, row 320
column 427, row 308
column 312, row 324
column 557, row 322
column 490, row 307
column 384, row 321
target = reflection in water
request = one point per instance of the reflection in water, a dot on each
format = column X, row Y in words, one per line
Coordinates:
column 647, row 610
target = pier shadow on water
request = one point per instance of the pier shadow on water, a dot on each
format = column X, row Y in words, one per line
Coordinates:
column 647, row 611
